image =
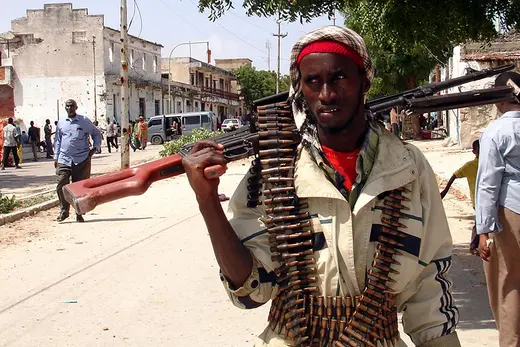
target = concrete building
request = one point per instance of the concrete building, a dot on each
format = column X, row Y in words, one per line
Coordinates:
column 216, row 87
column 465, row 125
column 59, row 53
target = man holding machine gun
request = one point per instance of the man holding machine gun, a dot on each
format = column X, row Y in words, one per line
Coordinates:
column 362, row 186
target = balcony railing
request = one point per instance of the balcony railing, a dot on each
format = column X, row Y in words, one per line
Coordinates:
column 210, row 92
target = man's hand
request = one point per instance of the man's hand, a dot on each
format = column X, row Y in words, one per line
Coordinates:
column 203, row 167
column 92, row 152
column 483, row 247
column 55, row 164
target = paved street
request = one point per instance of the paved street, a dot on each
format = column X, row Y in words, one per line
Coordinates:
column 35, row 177
column 141, row 272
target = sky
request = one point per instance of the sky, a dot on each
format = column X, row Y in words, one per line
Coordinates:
column 170, row 22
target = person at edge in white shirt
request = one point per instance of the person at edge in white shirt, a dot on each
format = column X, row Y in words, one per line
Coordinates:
column 498, row 214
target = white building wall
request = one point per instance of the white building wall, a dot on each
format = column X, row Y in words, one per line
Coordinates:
column 467, row 124
column 40, row 98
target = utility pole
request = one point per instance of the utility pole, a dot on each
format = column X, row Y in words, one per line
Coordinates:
column 268, row 46
column 280, row 37
column 333, row 17
column 95, row 84
column 125, row 102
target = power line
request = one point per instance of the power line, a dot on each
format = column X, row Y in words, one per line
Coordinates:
column 241, row 39
column 182, row 18
column 253, row 24
column 132, row 19
column 232, row 33
column 140, row 18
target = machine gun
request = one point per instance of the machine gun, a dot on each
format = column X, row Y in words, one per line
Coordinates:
column 422, row 99
column 85, row 195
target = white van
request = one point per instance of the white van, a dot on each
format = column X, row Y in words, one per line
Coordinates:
column 160, row 127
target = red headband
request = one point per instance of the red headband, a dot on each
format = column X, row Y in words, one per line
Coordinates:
column 331, row 47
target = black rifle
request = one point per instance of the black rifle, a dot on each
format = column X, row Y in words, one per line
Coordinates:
column 405, row 98
column 242, row 143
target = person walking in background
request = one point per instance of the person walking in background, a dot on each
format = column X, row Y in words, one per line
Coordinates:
column 72, row 153
column 468, row 170
column 47, row 129
column 34, row 138
column 394, row 121
column 498, row 214
column 112, row 136
column 132, row 138
column 11, row 142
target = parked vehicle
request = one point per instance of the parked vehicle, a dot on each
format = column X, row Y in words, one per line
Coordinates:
column 160, row 128
column 231, row 124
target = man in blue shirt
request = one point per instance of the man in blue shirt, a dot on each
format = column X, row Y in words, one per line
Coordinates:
column 72, row 152
column 498, row 214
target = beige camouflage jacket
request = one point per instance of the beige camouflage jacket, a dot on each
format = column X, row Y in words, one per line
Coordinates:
column 346, row 246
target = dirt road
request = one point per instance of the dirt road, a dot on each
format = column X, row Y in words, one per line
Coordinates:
column 141, row 272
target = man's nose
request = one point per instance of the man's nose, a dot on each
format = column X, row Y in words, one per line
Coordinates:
column 327, row 94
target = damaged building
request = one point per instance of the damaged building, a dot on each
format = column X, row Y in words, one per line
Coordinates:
column 59, row 53
column 465, row 125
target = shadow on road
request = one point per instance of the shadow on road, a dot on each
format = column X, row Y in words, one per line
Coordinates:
column 468, row 273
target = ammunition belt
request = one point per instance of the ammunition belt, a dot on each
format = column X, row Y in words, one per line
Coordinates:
column 299, row 311
column 326, row 318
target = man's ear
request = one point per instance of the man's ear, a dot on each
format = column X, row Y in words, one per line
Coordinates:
column 365, row 84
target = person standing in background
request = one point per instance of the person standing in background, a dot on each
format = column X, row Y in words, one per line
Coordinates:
column 19, row 147
column 11, row 142
column 72, row 153
column 142, row 132
column 47, row 129
column 468, row 170
column 394, row 122
column 498, row 214
column 34, row 138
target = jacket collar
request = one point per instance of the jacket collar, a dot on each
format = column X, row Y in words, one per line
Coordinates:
column 511, row 114
column 394, row 167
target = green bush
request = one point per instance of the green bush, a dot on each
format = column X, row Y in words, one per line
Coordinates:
column 175, row 146
column 7, row 204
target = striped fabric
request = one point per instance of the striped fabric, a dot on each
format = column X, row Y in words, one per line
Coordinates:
column 447, row 304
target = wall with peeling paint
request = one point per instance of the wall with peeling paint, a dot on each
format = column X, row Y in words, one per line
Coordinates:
column 53, row 61
column 467, row 124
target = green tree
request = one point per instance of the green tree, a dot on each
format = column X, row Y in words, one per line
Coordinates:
column 436, row 24
column 398, row 67
column 257, row 84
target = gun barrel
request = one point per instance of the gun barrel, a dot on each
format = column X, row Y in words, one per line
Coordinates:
column 387, row 102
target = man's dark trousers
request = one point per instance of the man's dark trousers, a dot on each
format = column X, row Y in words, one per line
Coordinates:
column 12, row 149
column 112, row 140
column 64, row 172
column 49, row 149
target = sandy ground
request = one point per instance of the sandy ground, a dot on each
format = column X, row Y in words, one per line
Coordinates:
column 141, row 272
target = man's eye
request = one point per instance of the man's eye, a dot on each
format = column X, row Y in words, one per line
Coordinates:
column 311, row 79
column 339, row 76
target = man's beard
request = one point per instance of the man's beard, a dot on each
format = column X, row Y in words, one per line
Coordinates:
column 338, row 129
